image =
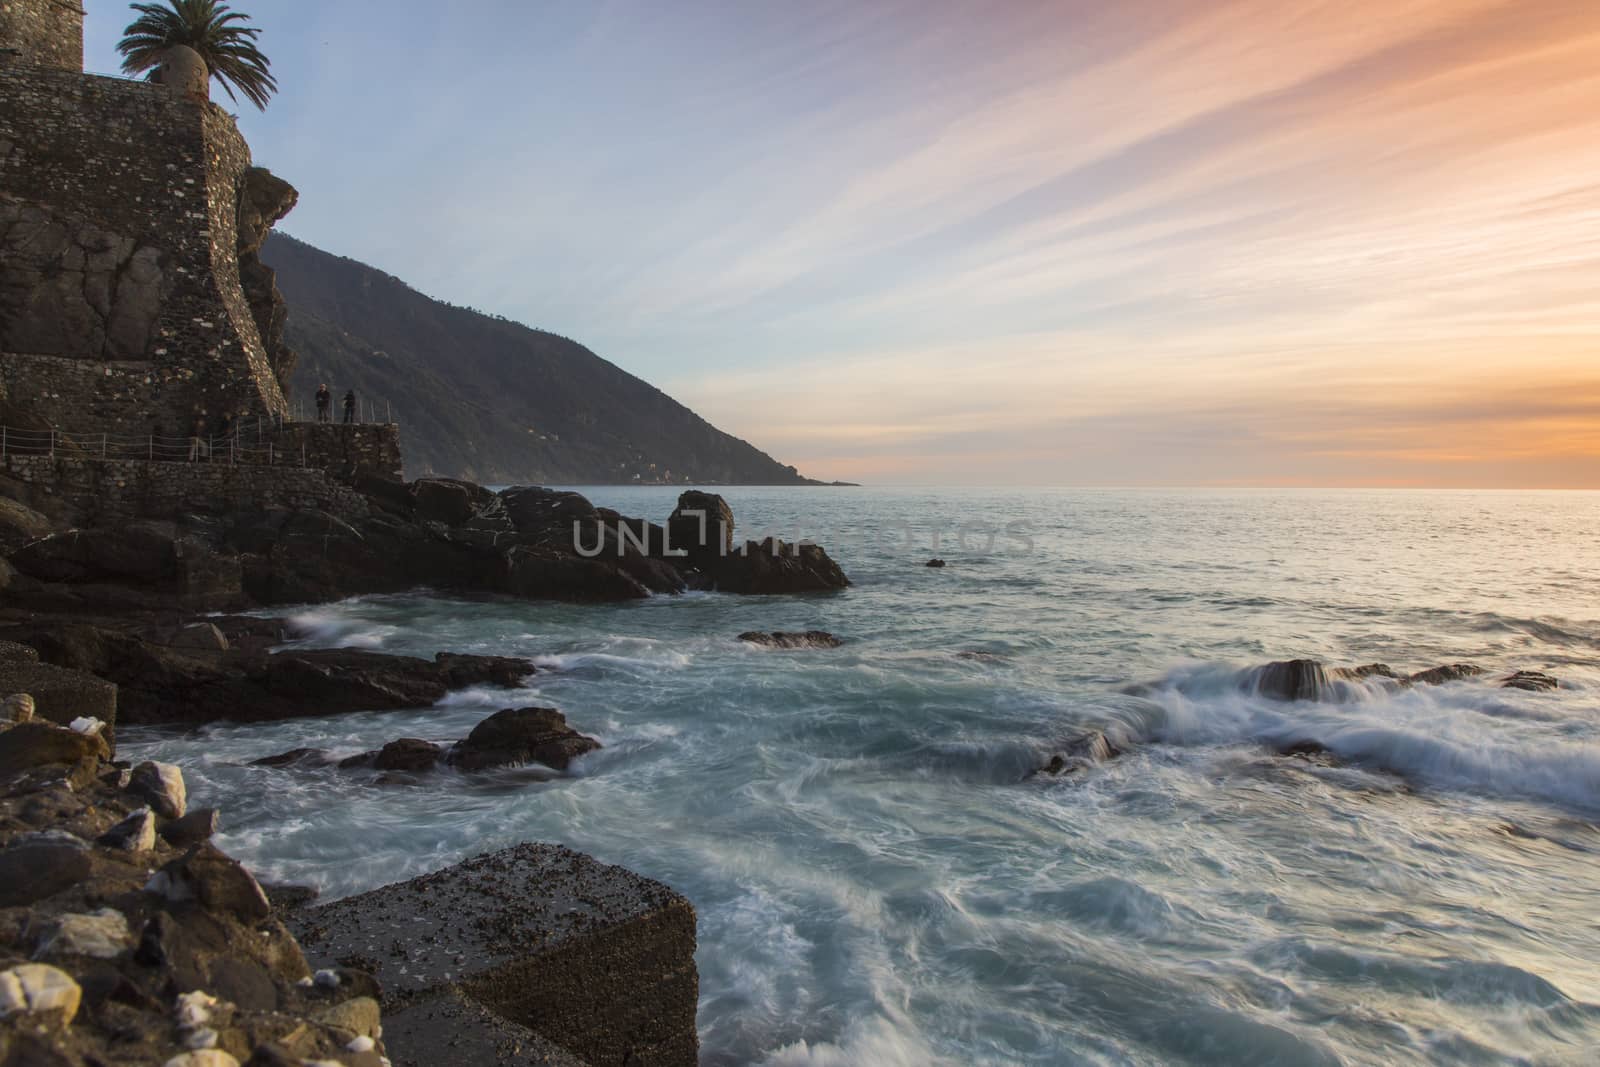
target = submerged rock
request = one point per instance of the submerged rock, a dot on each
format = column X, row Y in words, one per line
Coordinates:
column 521, row 735
column 1296, row 679
column 1450, row 672
column 1531, row 682
column 784, row 639
column 934, row 563
column 293, row 757
column 406, row 754
column 1079, row 753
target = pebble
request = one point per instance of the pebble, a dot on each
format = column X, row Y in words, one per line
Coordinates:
column 104, row 935
column 39, row 989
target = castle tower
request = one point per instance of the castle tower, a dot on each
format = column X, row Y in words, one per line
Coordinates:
column 130, row 218
column 42, row 33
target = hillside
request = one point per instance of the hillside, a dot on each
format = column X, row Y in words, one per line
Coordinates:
column 488, row 399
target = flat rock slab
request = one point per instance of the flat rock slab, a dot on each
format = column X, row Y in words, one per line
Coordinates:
column 592, row 958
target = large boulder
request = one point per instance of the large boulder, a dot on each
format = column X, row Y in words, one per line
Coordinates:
column 521, row 735
column 1296, row 679
column 595, row 961
column 702, row 526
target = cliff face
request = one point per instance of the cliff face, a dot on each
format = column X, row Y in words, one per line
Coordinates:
column 487, row 399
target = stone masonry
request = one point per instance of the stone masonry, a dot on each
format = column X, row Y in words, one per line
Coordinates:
column 125, row 210
column 44, row 33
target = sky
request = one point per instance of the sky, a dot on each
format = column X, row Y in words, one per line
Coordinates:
column 1150, row 242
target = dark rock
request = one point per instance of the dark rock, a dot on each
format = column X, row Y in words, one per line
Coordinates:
column 781, row 639
column 1079, row 753
column 1531, row 682
column 540, row 574
column 218, row 882
column 521, row 735
column 448, row 501
column 19, row 525
column 202, row 636
column 408, row 754
column 463, row 671
column 195, row 828
column 775, row 567
column 35, row 870
column 1307, row 749
column 935, row 563
column 42, row 744
column 61, row 694
column 450, row 1027
column 546, row 513
column 1299, row 679
column 1371, row 670
column 139, row 552
column 285, row 898
column 1452, row 672
column 293, row 757
column 594, row 959
column 702, row 526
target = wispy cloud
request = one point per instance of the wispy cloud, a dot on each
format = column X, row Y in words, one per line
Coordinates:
column 1152, row 241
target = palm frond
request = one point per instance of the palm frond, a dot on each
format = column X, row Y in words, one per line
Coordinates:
column 213, row 30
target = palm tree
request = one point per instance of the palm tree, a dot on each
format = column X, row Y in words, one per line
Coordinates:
column 209, row 28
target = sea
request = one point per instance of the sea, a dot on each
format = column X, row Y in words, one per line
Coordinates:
column 880, row 879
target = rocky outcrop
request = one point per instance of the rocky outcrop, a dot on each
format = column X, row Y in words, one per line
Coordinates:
column 156, row 683
column 514, row 737
column 782, row 639
column 594, row 961
column 103, row 962
column 264, row 199
column 528, row 542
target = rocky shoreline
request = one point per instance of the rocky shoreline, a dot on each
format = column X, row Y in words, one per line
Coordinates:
column 127, row 937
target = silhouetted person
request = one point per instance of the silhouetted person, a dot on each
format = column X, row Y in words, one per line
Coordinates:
column 350, row 406
column 324, row 402
column 197, row 440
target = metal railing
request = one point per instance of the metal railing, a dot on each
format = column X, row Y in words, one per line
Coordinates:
column 253, row 443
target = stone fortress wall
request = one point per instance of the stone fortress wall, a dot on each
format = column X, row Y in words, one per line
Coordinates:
column 44, row 33
column 121, row 303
